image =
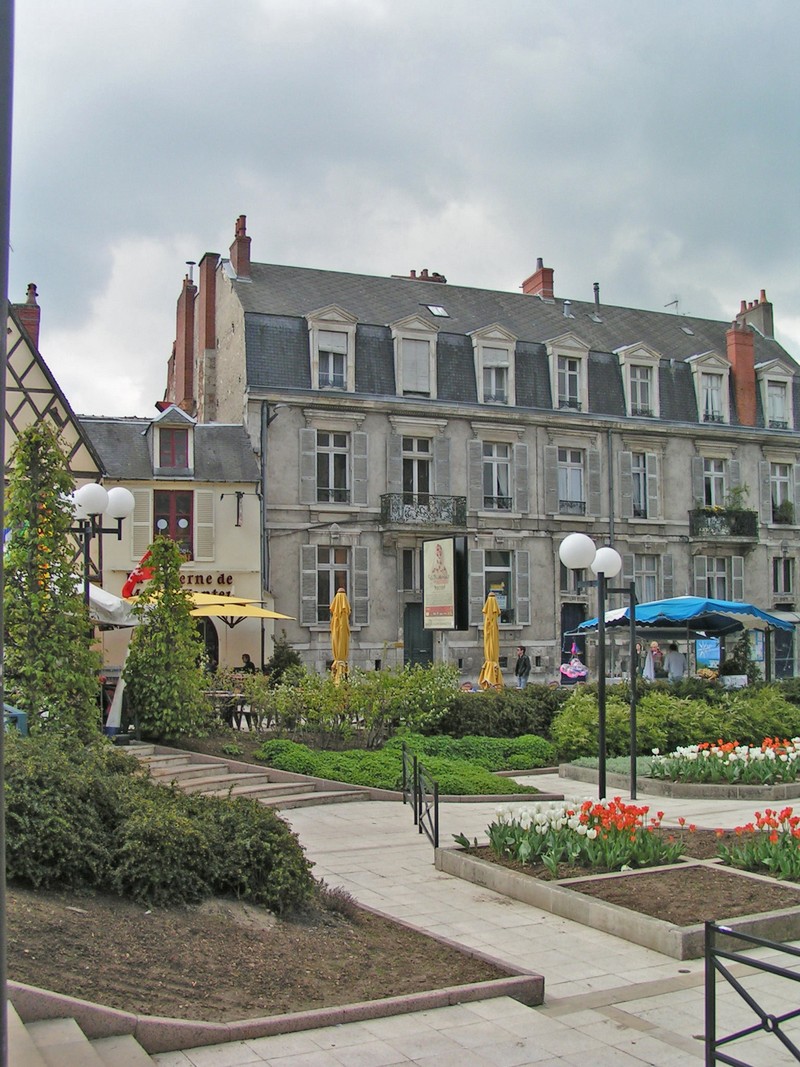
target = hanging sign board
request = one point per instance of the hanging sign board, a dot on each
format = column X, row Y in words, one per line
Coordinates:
column 444, row 583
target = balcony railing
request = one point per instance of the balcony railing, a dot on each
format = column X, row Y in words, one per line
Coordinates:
column 423, row 509
column 572, row 507
column 724, row 522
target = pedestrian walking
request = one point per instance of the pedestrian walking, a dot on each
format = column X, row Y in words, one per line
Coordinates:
column 522, row 668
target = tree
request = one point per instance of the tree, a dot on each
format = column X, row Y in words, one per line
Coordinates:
column 51, row 670
column 284, row 657
column 163, row 673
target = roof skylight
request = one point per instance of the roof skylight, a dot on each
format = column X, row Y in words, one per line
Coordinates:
column 438, row 310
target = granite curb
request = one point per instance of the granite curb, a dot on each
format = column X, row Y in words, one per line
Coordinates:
column 557, row 898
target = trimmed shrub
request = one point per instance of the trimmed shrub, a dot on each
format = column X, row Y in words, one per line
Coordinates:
column 491, row 753
column 87, row 817
column 500, row 713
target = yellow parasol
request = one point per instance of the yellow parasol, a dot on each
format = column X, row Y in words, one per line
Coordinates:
column 232, row 612
column 490, row 675
column 340, row 635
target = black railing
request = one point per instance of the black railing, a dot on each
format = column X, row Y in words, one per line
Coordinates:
column 423, row 509
column 723, row 522
column 497, row 503
column 569, row 403
column 572, row 507
column 420, row 789
column 768, row 1022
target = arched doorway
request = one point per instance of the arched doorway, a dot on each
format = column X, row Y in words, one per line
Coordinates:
column 208, row 632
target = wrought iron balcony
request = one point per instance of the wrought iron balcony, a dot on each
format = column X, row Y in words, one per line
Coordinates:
column 423, row 509
column 724, row 522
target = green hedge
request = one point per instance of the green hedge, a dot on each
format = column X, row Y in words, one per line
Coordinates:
column 500, row 713
column 384, row 769
column 665, row 720
column 86, row 817
column 491, row 753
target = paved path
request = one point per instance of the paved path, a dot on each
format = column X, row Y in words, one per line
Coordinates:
column 606, row 1001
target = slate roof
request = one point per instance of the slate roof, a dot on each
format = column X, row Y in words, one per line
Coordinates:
column 222, row 453
column 277, row 299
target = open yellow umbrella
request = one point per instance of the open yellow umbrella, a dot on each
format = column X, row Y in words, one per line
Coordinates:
column 232, row 612
column 340, row 635
column 490, row 675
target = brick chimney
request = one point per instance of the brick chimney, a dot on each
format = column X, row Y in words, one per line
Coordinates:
column 183, row 387
column 757, row 313
column 207, row 301
column 741, row 354
column 29, row 315
column 240, row 249
column 540, row 282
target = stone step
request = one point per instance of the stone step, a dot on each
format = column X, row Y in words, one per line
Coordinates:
column 121, row 1051
column 266, row 789
column 222, row 781
column 158, row 761
column 184, row 773
column 62, row 1043
column 305, row 800
column 22, row 1050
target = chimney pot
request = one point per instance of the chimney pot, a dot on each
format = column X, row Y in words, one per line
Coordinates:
column 29, row 314
column 240, row 249
column 762, row 297
column 596, row 287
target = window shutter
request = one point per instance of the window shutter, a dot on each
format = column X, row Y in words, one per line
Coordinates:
column 360, row 469
column 737, row 577
column 330, row 341
column 628, row 568
column 441, row 465
column 765, row 491
column 593, row 481
column 734, row 474
column 308, row 585
column 551, row 479
column 394, row 463
column 308, row 466
column 698, row 482
column 416, row 366
column 522, row 564
column 204, row 525
column 796, row 500
column 476, row 597
column 653, row 510
column 700, row 587
column 521, row 497
column 142, row 523
column 667, row 577
column 626, row 485
column 360, row 586
column 475, row 488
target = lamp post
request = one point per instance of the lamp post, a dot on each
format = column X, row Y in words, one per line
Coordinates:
column 577, row 552
column 90, row 505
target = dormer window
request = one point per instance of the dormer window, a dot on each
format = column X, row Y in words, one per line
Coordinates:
column 332, row 360
column 172, row 443
column 711, row 397
column 493, row 348
column 569, row 366
column 415, row 356
column 711, row 375
column 332, row 345
column 775, row 383
column 639, row 365
column 173, row 448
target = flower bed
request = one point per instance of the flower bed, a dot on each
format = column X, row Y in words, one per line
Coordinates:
column 771, row 842
column 773, row 762
column 598, row 835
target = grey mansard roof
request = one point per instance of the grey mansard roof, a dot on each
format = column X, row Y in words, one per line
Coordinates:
column 277, row 298
column 222, row 453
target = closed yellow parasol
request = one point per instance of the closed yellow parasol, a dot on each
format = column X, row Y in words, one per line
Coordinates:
column 490, row 675
column 340, row 635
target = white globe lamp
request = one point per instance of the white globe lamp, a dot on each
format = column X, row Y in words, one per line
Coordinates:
column 607, row 562
column 120, row 503
column 91, row 498
column 577, row 551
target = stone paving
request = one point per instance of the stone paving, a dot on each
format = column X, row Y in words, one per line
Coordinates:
column 606, row 1001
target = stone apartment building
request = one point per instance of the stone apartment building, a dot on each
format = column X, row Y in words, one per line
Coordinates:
column 389, row 410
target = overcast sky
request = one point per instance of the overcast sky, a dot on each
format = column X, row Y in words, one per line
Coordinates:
column 652, row 147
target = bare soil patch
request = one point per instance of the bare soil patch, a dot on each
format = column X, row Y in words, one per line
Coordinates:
column 689, row 895
column 220, row 961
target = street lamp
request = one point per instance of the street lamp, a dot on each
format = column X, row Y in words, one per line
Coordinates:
column 577, row 552
column 90, row 505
